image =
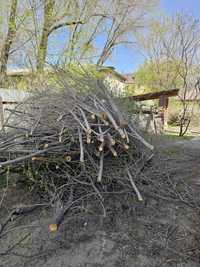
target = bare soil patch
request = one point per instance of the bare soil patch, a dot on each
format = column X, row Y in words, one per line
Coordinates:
column 161, row 231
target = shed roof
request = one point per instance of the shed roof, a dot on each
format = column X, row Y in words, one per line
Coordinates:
column 155, row 95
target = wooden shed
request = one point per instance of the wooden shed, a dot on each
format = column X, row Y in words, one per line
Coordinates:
column 163, row 97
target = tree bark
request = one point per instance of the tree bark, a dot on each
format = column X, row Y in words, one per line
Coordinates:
column 8, row 41
column 42, row 49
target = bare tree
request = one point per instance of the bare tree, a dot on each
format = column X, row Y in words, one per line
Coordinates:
column 182, row 45
column 187, row 38
column 125, row 18
column 84, row 21
column 12, row 29
column 112, row 21
column 15, row 18
column 48, row 22
column 161, row 69
column 55, row 17
column 177, row 39
column 82, row 36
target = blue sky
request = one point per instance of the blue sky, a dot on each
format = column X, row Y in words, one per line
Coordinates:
column 187, row 6
column 124, row 59
column 127, row 60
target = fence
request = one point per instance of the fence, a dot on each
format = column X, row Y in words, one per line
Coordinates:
column 149, row 119
column 8, row 99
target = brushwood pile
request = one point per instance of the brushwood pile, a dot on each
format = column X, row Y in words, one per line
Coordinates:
column 74, row 146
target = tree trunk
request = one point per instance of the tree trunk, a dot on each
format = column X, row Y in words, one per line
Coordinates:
column 8, row 42
column 42, row 49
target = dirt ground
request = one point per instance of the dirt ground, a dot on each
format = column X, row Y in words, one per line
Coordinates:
column 164, row 230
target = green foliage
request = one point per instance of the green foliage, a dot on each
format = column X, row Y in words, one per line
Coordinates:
column 82, row 70
column 53, row 77
column 127, row 105
column 156, row 76
column 82, row 77
column 130, row 90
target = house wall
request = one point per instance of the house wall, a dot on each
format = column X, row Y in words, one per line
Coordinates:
column 116, row 87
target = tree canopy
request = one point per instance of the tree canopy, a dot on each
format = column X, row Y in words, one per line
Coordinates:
column 155, row 76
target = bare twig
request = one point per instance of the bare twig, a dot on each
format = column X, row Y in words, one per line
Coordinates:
column 81, row 145
column 99, row 178
column 139, row 196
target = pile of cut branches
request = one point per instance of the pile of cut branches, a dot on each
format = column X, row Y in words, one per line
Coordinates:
column 73, row 146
